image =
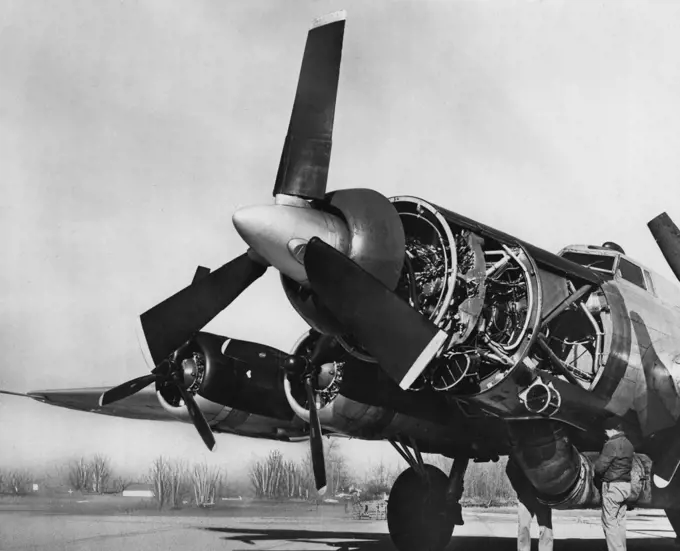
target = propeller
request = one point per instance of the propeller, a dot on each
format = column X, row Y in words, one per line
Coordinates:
column 667, row 237
column 172, row 371
column 303, row 172
column 173, row 322
column 169, row 326
column 302, row 175
column 315, row 439
column 197, row 418
column 396, row 335
column 315, row 435
column 129, row 388
column 259, row 356
column 303, row 169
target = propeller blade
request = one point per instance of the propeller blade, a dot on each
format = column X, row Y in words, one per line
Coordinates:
column 198, row 418
column 667, row 237
column 321, row 345
column 200, row 273
column 316, row 440
column 303, row 169
column 171, row 323
column 126, row 389
column 397, row 336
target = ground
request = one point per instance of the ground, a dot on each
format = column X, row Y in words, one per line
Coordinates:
column 107, row 524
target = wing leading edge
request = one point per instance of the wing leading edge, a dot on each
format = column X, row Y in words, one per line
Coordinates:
column 143, row 405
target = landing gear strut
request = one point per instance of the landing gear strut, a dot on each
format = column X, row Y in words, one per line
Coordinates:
column 419, row 517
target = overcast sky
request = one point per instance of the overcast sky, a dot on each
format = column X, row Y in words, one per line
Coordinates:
column 130, row 131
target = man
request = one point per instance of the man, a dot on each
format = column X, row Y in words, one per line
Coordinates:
column 613, row 466
column 527, row 507
column 454, row 492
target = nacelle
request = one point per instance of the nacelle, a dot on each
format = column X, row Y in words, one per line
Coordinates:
column 231, row 394
column 358, row 399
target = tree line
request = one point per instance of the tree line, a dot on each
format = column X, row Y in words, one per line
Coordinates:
column 274, row 477
column 176, row 483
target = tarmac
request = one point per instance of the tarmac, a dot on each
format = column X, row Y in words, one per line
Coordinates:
column 485, row 529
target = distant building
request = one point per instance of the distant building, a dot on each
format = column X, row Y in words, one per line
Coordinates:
column 138, row 490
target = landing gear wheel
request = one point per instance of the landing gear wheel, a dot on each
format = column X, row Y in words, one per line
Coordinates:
column 418, row 516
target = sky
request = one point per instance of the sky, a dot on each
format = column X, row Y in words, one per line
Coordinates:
column 131, row 131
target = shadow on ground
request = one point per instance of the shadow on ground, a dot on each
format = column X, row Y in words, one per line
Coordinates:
column 357, row 541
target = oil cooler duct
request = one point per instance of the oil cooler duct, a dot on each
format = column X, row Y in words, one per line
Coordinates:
column 563, row 477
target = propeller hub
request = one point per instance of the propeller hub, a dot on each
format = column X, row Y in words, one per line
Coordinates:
column 192, row 370
column 279, row 232
column 326, row 377
column 294, row 365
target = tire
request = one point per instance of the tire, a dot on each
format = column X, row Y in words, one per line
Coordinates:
column 418, row 517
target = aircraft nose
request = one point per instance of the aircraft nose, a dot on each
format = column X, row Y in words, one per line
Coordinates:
column 279, row 233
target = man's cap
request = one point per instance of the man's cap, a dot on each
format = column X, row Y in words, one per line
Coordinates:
column 613, row 423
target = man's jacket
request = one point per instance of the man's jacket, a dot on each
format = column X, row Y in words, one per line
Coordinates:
column 616, row 459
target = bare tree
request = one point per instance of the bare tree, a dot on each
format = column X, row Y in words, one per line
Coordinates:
column 484, row 484
column 158, row 478
column 274, row 477
column 17, row 482
column 79, row 474
column 119, row 484
column 379, row 480
column 100, row 472
column 441, row 462
column 487, row 484
column 177, row 481
column 337, row 471
column 292, row 483
column 206, row 481
column 265, row 474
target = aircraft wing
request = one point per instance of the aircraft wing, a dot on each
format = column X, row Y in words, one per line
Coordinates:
column 142, row 405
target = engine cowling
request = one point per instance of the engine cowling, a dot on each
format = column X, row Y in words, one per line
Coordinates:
column 347, row 402
column 226, row 390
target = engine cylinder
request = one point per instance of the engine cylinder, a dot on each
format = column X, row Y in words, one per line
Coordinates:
column 484, row 292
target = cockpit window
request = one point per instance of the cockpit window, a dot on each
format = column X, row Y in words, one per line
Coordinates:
column 630, row 272
column 595, row 262
column 650, row 282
